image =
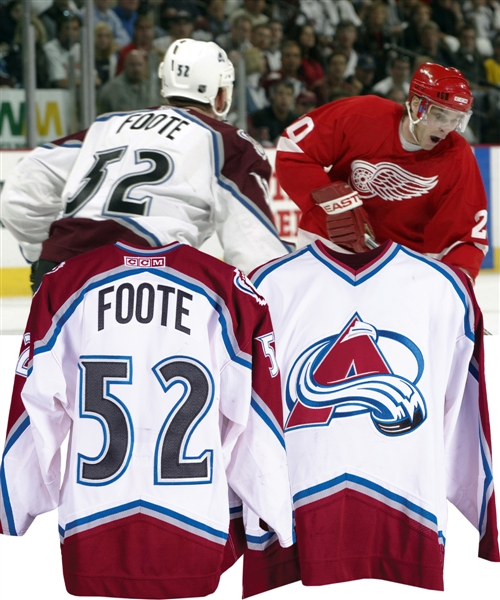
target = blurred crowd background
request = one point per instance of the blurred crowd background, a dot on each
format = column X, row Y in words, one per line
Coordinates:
column 290, row 56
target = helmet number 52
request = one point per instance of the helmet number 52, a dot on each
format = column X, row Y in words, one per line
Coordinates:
column 183, row 70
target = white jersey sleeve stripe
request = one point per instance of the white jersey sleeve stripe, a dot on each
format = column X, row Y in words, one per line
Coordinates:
column 266, row 415
column 68, row 144
column 19, row 428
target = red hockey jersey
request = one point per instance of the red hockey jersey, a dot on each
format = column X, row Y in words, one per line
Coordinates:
column 160, row 366
column 433, row 202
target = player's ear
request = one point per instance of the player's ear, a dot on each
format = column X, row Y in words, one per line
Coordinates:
column 414, row 104
column 220, row 100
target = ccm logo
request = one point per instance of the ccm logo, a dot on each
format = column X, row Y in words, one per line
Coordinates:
column 461, row 100
column 153, row 261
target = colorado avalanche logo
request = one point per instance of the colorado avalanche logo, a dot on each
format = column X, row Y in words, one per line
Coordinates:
column 388, row 181
column 347, row 374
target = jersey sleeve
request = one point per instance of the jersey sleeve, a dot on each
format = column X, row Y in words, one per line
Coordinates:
column 458, row 227
column 468, row 440
column 257, row 469
column 305, row 151
column 32, row 195
column 37, row 426
column 243, row 218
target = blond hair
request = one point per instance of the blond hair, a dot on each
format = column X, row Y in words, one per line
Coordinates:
column 99, row 27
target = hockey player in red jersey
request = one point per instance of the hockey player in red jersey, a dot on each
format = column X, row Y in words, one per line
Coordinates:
column 150, row 177
column 414, row 173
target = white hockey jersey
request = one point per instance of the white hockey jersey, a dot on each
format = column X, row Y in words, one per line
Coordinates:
column 385, row 415
column 160, row 365
column 148, row 177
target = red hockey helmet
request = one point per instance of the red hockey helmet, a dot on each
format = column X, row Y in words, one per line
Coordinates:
column 444, row 87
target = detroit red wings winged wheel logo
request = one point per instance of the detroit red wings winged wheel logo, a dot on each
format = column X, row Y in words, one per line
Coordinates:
column 388, row 181
column 345, row 375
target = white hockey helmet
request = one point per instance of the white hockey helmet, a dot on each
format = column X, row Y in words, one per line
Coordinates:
column 197, row 70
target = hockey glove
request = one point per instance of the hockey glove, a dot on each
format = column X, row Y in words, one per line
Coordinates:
column 347, row 223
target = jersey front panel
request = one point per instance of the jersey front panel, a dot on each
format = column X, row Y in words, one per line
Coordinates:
column 377, row 374
column 147, row 360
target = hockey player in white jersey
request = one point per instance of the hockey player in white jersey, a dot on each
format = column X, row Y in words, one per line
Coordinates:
column 150, row 177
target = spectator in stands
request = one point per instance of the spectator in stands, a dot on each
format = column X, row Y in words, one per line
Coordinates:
column 172, row 7
column 325, row 15
column 6, row 81
column 345, row 38
column 471, row 64
column 397, row 94
column 261, row 39
column 468, row 60
column 126, row 10
column 10, row 15
column 484, row 17
column 270, row 122
column 364, row 74
column 130, row 90
column 393, row 19
column 405, row 9
column 433, row 46
column 104, row 14
column 273, row 53
column 375, row 34
column 58, row 11
column 492, row 64
column 238, row 38
column 63, row 53
column 334, row 80
column 312, row 59
column 105, row 56
column 14, row 60
column 254, row 10
column 448, row 15
column 410, row 36
column 305, row 102
column 261, row 36
column 255, row 65
column 291, row 68
column 179, row 25
column 215, row 22
column 399, row 77
column 143, row 41
column 492, row 67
